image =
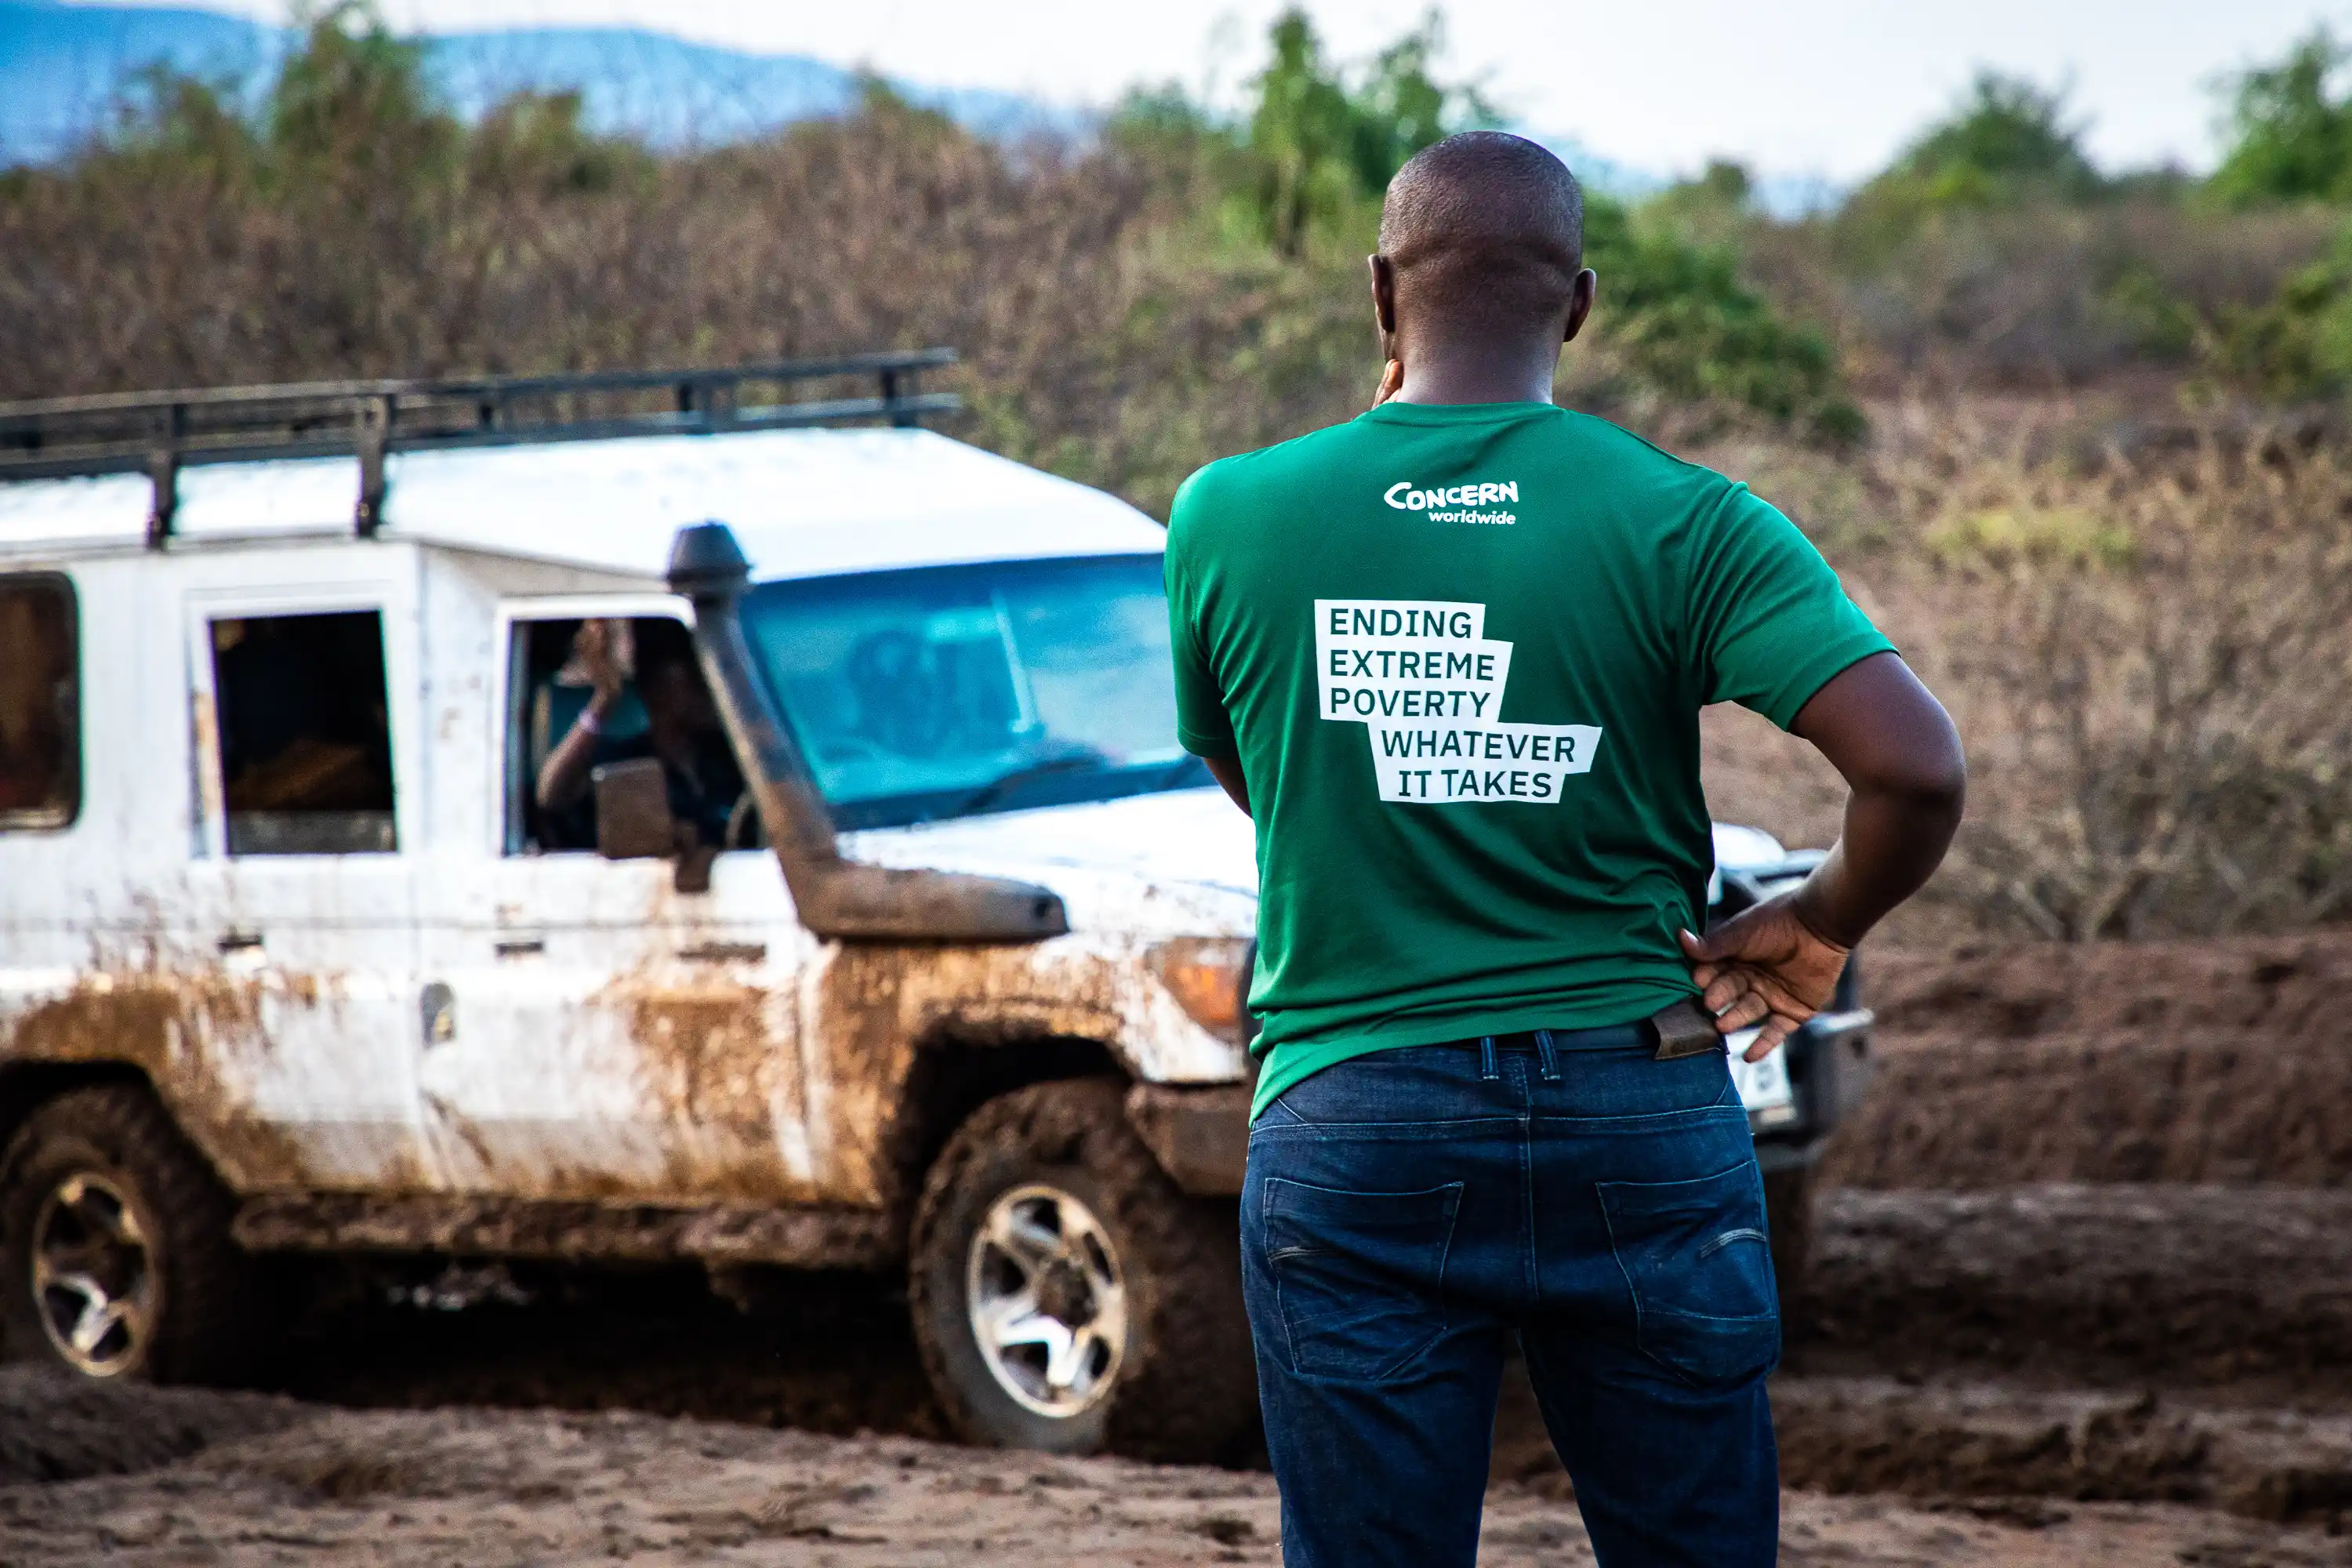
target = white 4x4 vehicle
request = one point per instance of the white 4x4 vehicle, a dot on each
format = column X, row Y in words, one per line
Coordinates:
column 292, row 958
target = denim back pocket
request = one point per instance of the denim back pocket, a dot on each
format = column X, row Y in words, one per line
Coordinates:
column 1357, row 1275
column 1695, row 1256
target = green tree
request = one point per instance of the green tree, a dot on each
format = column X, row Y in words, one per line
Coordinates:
column 1301, row 134
column 2299, row 344
column 2291, row 136
column 353, row 103
column 1685, row 328
column 1678, row 326
column 537, row 141
column 1325, row 145
column 184, row 120
column 1402, row 108
column 2008, row 140
column 1711, row 209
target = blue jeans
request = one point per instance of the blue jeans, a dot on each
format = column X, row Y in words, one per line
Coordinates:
column 1406, row 1213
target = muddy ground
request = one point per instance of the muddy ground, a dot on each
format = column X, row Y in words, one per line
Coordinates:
column 474, row 1487
column 1980, row 1377
column 2036, row 1374
column 2083, row 1296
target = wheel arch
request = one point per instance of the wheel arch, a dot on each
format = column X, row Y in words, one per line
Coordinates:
column 27, row 1086
column 959, row 1066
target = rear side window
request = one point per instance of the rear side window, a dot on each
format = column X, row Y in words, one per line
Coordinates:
column 305, row 735
column 40, row 704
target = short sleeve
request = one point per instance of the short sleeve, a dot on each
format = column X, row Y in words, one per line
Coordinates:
column 1769, row 624
column 1203, row 724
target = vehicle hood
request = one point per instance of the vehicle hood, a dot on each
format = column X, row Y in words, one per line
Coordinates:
column 1183, row 862
column 1745, row 849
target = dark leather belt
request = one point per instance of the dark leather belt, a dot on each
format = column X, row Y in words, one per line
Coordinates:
column 1683, row 1029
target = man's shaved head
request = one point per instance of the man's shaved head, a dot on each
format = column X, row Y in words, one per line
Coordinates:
column 1485, row 231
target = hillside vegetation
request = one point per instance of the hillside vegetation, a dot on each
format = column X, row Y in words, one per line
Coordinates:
column 2072, row 432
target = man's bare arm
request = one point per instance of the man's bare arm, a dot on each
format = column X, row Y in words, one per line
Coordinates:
column 1776, row 964
column 1228, row 770
column 564, row 776
column 1899, row 753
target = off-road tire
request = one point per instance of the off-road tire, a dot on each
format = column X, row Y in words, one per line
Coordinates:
column 1788, row 1219
column 1186, row 1389
column 205, row 1307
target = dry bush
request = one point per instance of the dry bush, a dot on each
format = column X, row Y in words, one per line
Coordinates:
column 2041, row 296
column 2148, row 660
column 833, row 236
column 2148, row 657
column 2146, row 649
column 1106, row 333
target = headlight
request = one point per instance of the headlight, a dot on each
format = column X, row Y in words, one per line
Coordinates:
column 1209, row 976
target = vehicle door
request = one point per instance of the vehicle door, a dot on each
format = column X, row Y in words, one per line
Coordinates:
column 60, row 866
column 605, row 1035
column 293, row 929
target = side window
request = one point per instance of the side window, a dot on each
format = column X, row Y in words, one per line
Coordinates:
column 305, row 734
column 587, row 693
column 40, row 704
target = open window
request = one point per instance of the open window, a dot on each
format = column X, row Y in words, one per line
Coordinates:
column 305, row 734
column 660, row 711
column 41, row 703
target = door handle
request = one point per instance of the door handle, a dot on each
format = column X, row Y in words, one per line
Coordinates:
column 438, row 1010
column 240, row 941
column 725, row 953
column 520, row 947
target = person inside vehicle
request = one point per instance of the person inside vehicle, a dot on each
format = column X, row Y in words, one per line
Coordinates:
column 682, row 732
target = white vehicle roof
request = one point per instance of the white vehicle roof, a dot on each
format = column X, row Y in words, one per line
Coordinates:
column 802, row 503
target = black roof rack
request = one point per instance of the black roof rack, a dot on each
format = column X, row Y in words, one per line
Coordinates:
column 160, row 433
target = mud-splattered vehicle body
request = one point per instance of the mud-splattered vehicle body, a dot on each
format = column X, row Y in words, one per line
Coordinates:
column 293, row 958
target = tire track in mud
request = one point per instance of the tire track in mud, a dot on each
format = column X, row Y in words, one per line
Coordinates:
column 2185, row 1344
column 2003, row 1360
column 819, row 1353
column 460, row 1485
column 2182, row 1287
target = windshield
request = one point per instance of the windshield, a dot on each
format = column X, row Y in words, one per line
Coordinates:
column 951, row 690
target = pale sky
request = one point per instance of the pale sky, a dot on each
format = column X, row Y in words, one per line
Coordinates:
column 1795, row 87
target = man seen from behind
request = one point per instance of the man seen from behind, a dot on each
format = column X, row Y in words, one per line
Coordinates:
column 1451, row 657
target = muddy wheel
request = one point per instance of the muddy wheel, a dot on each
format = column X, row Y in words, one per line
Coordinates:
column 1788, row 1216
column 117, row 1260
column 1068, row 1297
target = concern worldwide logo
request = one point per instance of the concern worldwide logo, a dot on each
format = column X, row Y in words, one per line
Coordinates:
column 1456, row 504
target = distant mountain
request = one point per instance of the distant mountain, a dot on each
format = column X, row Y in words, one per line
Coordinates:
column 63, row 71
column 1596, row 173
column 63, row 68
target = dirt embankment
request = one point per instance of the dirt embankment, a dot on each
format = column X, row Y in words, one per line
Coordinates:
column 2188, row 1344
column 2227, row 1062
column 2116, row 1286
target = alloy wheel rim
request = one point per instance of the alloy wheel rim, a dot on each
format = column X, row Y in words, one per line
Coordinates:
column 93, row 1275
column 1047, row 1300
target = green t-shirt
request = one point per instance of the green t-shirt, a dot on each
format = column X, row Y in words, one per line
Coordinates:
column 1460, row 652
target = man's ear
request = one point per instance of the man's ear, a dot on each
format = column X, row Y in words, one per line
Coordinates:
column 1383, row 295
column 1580, row 303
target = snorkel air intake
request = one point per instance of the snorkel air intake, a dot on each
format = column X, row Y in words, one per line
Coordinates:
column 835, row 898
